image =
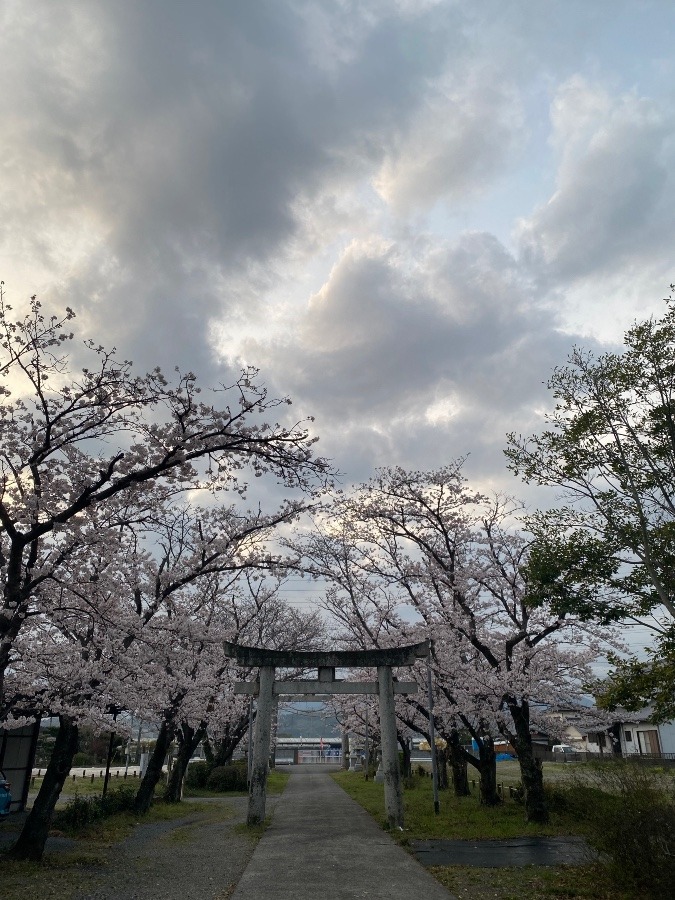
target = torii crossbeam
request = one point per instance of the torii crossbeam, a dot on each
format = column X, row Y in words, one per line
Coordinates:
column 326, row 661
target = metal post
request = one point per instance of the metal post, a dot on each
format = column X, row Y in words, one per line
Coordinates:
column 393, row 797
column 275, row 729
column 250, row 742
column 107, row 763
column 138, row 742
column 367, row 753
column 261, row 747
column 432, row 738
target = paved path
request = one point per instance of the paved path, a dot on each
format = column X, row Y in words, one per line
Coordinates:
column 323, row 844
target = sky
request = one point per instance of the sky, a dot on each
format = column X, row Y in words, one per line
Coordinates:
column 404, row 212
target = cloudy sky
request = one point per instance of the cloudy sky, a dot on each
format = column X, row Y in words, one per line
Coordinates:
column 405, row 212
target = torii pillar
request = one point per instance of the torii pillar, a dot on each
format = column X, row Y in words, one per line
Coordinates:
column 326, row 662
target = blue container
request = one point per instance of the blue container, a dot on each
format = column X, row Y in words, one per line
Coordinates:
column 5, row 797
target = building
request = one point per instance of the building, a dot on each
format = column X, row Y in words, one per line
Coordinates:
column 638, row 735
column 17, row 752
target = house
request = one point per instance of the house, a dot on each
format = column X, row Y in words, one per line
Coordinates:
column 630, row 734
column 586, row 730
column 638, row 735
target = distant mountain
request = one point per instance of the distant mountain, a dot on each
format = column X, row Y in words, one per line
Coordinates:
column 307, row 720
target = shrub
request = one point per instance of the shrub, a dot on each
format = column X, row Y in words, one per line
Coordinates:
column 83, row 759
column 518, row 795
column 82, row 811
column 197, row 774
column 640, row 836
column 629, row 813
column 227, row 778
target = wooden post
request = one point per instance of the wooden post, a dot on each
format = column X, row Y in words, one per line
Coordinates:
column 393, row 797
column 261, row 748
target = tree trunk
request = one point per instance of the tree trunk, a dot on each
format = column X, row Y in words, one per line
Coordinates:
column 407, row 764
column 530, row 768
column 441, row 761
column 154, row 771
column 31, row 842
column 208, row 752
column 188, row 741
column 458, row 765
column 229, row 742
column 487, row 759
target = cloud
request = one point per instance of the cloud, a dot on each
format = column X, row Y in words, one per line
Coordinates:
column 316, row 186
column 156, row 154
column 461, row 139
column 613, row 203
column 405, row 343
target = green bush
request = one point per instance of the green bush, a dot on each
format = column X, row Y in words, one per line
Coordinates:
column 82, row 811
column 629, row 814
column 227, row 778
column 410, row 782
column 83, row 759
column 197, row 774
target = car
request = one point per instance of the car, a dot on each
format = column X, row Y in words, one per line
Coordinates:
column 563, row 748
column 5, row 796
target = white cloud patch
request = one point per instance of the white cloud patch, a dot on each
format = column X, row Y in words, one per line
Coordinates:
column 613, row 203
column 461, row 139
column 421, row 338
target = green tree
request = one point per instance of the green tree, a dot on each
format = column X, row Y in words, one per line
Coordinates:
column 608, row 552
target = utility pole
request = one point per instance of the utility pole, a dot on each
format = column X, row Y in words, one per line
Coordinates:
column 432, row 737
column 367, row 754
column 250, row 741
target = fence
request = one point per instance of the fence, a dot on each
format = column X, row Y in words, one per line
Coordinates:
column 91, row 773
column 649, row 759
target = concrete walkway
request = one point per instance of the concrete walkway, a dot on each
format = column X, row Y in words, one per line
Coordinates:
column 323, row 844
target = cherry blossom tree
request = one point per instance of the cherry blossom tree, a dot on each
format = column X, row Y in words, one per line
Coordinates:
column 92, row 468
column 141, row 628
column 195, row 680
column 71, row 442
column 417, row 554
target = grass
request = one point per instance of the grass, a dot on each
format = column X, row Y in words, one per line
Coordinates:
column 67, row 874
column 529, row 883
column 85, row 786
column 61, row 876
column 276, row 782
column 254, row 832
column 463, row 818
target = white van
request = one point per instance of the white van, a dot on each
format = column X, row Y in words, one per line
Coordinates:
column 563, row 748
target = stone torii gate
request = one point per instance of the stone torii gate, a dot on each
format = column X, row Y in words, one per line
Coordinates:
column 326, row 661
